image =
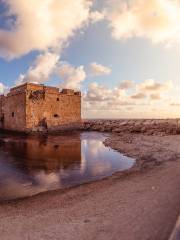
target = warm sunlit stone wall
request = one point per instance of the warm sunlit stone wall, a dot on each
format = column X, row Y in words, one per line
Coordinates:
column 48, row 106
column 34, row 107
column 14, row 110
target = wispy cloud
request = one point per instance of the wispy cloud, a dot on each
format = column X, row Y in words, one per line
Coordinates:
column 99, row 97
column 96, row 69
column 41, row 25
column 150, row 85
column 96, row 16
column 72, row 77
column 3, row 89
column 138, row 96
column 41, row 70
column 48, row 64
column 156, row 20
column 126, row 84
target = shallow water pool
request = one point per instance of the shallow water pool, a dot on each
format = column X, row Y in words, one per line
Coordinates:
column 31, row 164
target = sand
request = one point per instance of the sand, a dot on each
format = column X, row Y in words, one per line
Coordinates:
column 142, row 204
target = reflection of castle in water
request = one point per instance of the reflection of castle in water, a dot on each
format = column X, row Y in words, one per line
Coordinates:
column 32, row 164
column 48, row 153
column 52, row 154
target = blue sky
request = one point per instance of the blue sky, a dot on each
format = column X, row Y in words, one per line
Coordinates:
column 133, row 59
column 138, row 57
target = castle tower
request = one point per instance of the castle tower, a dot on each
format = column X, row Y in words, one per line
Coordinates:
column 32, row 107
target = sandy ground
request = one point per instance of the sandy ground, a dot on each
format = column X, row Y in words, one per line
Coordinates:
column 142, row 204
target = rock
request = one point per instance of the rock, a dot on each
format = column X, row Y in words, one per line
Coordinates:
column 150, row 127
column 150, row 132
column 108, row 128
column 136, row 129
column 116, row 130
column 123, row 123
column 143, row 129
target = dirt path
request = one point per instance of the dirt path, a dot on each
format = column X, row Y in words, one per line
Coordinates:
column 141, row 206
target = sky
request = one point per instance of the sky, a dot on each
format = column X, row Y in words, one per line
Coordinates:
column 122, row 54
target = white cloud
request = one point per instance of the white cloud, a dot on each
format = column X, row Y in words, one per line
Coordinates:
column 72, row 77
column 3, row 89
column 41, row 70
column 100, row 93
column 157, row 20
column 175, row 104
column 96, row 16
column 156, row 96
column 102, row 98
column 126, row 84
column 40, row 25
column 152, row 89
column 96, row 69
column 150, row 85
column 138, row 96
column 48, row 64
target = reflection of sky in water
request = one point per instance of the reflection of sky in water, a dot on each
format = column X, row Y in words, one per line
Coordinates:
column 30, row 165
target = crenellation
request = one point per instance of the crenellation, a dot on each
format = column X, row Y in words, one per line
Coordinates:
column 77, row 93
column 68, row 91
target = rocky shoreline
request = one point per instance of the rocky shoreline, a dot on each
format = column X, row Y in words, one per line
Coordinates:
column 142, row 126
column 149, row 151
column 132, row 126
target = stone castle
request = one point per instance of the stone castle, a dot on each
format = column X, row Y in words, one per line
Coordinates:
column 35, row 107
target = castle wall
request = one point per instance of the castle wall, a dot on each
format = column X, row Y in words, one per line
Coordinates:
column 47, row 106
column 31, row 106
column 14, row 111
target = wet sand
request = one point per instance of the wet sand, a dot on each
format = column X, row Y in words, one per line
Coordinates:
column 142, row 204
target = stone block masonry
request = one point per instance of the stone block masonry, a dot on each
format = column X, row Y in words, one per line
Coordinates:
column 35, row 107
